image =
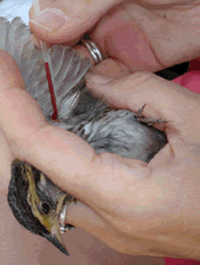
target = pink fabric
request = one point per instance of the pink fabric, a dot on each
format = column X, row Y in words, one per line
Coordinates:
column 190, row 80
column 169, row 261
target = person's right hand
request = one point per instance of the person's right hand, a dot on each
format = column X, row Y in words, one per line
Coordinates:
column 135, row 35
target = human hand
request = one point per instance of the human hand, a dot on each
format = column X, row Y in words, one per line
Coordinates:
column 134, row 35
column 134, row 207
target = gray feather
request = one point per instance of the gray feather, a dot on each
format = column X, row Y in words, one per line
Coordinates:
column 105, row 129
column 4, row 24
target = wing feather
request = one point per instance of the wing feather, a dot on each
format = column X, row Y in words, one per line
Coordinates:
column 68, row 68
column 4, row 25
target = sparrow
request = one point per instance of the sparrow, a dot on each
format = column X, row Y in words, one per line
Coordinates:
column 36, row 202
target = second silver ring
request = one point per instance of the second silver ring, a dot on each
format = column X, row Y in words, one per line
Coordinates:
column 93, row 50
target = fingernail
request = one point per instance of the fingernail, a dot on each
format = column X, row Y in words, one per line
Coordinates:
column 50, row 19
column 97, row 78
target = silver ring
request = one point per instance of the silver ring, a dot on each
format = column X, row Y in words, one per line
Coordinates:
column 62, row 226
column 94, row 50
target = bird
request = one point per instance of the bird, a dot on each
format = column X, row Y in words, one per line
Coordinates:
column 36, row 202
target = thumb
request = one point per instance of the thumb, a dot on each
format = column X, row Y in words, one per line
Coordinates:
column 63, row 20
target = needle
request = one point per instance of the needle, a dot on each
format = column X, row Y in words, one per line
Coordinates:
column 48, row 68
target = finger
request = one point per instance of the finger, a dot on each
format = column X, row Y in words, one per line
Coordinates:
column 66, row 20
column 9, row 66
column 165, row 100
column 108, row 67
column 15, row 101
column 83, row 217
column 6, row 159
column 12, row 87
column 111, row 68
column 74, row 166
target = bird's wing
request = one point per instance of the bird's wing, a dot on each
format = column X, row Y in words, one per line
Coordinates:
column 68, row 68
column 14, row 36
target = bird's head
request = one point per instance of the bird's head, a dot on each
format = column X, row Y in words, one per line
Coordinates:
column 36, row 202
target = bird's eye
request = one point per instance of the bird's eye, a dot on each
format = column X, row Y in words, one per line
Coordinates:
column 45, row 207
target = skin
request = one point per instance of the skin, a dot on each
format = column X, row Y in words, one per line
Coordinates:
column 136, row 208
column 133, row 207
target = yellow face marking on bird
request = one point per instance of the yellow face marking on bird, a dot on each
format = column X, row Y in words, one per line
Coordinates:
column 32, row 197
column 51, row 220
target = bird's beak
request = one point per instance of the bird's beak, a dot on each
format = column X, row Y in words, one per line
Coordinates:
column 50, row 221
column 55, row 238
column 53, row 226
